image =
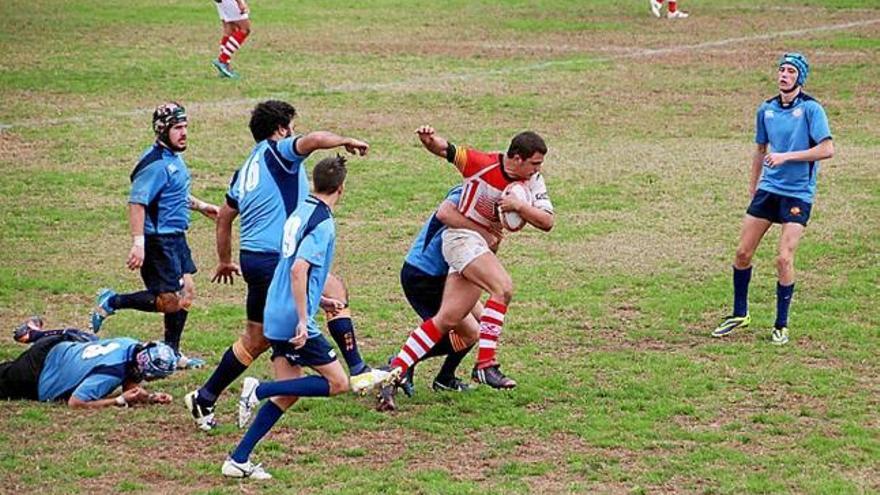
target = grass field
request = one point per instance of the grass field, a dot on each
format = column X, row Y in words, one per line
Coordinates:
column 650, row 128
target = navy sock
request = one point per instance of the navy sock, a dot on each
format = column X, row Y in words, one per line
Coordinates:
column 267, row 416
column 174, row 323
column 141, row 301
column 307, row 386
column 442, row 348
column 450, row 364
column 741, row 279
column 342, row 331
column 227, row 371
column 783, row 301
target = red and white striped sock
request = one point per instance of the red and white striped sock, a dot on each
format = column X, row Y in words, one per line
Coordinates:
column 420, row 341
column 673, row 6
column 230, row 44
column 491, row 323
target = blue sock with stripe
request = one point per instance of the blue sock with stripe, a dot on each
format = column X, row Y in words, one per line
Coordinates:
column 783, row 301
column 307, row 386
column 266, row 418
column 741, row 279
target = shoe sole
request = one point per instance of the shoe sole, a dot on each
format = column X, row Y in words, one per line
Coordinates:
column 189, row 401
column 243, row 404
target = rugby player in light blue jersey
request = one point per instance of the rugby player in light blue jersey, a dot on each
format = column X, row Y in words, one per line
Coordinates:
column 72, row 365
column 158, row 216
column 294, row 297
column 270, row 185
column 423, row 278
column 792, row 136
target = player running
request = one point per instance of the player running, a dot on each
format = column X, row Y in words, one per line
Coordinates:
column 473, row 267
column 423, row 277
column 264, row 192
column 158, row 216
column 234, row 14
column 782, row 186
column 293, row 299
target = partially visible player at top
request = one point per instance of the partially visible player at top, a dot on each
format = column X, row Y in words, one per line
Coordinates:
column 158, row 217
column 270, row 185
column 473, row 267
column 672, row 11
column 309, row 241
column 792, row 135
column 236, row 28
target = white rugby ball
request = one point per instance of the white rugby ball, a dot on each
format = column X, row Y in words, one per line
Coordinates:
column 511, row 220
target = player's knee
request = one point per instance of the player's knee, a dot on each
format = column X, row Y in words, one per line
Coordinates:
column 784, row 261
column 168, row 302
column 743, row 257
column 338, row 384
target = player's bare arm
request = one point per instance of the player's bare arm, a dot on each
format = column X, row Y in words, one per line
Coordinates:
column 243, row 6
column 203, row 207
column 449, row 215
column 757, row 167
column 536, row 217
column 136, row 215
column 226, row 269
column 134, row 395
column 299, row 275
column 431, row 141
column 822, row 151
column 325, row 140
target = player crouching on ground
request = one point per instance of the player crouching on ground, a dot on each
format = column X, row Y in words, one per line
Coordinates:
column 289, row 325
column 795, row 127
column 73, row 365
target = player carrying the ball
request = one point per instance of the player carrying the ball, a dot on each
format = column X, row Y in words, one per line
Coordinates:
column 473, row 266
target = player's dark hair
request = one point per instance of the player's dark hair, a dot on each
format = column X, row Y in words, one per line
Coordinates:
column 329, row 174
column 267, row 116
column 526, row 144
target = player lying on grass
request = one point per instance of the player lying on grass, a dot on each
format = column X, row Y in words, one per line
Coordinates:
column 289, row 320
column 73, row 365
column 792, row 135
column 270, row 185
column 473, row 267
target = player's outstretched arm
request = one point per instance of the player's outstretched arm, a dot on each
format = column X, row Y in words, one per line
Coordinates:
column 133, row 395
column 325, row 140
column 431, row 141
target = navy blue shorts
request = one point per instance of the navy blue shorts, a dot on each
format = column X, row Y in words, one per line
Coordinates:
column 316, row 352
column 166, row 259
column 424, row 292
column 779, row 209
column 257, row 269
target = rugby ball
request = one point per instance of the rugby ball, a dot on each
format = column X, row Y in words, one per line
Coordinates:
column 511, row 220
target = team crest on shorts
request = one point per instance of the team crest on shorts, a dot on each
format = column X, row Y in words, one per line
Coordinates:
column 795, row 210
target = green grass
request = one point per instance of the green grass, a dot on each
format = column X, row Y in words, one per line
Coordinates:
column 621, row 389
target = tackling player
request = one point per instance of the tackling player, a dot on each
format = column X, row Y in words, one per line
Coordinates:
column 270, row 185
column 234, row 14
column 158, row 216
column 473, row 267
column 782, row 186
column 74, row 366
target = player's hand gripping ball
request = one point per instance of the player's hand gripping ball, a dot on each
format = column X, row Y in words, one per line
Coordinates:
column 511, row 220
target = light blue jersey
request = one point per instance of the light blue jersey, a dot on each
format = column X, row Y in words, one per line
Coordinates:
column 426, row 253
column 160, row 181
column 266, row 190
column 86, row 370
column 796, row 127
column 310, row 235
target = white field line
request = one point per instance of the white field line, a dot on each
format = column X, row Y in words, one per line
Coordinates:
column 466, row 76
